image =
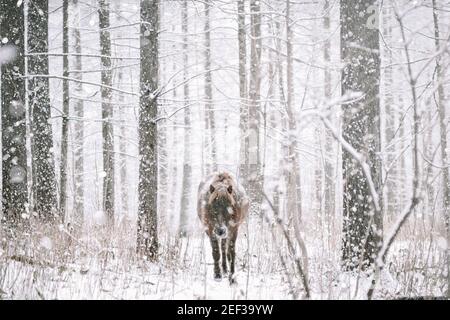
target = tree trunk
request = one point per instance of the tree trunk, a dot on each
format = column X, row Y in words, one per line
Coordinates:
column 107, row 113
column 243, row 121
column 163, row 161
column 78, row 210
column 402, row 167
column 124, row 186
column 255, row 183
column 443, row 135
column 122, row 110
column 330, row 150
column 147, row 232
column 173, row 164
column 65, row 114
column 390, row 189
column 362, row 235
column 186, row 186
column 44, row 187
column 294, row 196
column 163, row 168
column 282, row 162
column 210, row 129
column 14, row 157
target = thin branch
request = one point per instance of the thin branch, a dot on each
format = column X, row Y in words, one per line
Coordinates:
column 81, row 81
column 291, row 247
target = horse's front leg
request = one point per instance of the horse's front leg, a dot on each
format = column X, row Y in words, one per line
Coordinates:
column 232, row 256
column 216, row 257
column 224, row 256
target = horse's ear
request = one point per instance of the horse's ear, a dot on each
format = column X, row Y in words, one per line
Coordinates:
column 230, row 189
column 211, row 188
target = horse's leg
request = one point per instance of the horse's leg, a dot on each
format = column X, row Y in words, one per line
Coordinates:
column 232, row 255
column 216, row 257
column 224, row 256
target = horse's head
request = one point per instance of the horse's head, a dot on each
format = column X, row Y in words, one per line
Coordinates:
column 222, row 206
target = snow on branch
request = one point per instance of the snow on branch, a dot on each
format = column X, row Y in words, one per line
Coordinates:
column 83, row 82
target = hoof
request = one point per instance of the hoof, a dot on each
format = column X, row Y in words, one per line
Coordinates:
column 218, row 277
column 232, row 280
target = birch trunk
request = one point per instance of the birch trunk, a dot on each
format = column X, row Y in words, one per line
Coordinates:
column 440, row 73
column 243, row 113
column 78, row 210
column 255, row 179
column 210, row 130
column 187, row 170
column 65, row 115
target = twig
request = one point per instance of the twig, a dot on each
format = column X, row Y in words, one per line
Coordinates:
column 291, row 248
column 381, row 257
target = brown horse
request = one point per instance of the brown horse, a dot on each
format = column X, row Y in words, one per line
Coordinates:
column 222, row 206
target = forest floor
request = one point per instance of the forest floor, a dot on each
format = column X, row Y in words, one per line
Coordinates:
column 102, row 277
column 54, row 267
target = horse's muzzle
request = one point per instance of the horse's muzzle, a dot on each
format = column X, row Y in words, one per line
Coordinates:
column 221, row 232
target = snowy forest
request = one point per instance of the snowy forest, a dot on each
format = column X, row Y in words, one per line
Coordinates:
column 331, row 117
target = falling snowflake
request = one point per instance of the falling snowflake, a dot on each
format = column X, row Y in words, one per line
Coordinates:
column 7, row 53
column 46, row 243
column 17, row 174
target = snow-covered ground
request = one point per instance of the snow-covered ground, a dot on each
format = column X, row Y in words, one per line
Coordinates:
column 54, row 267
column 103, row 276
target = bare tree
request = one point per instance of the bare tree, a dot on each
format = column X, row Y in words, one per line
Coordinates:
column 107, row 112
column 362, row 234
column 163, row 158
column 440, row 101
column 124, row 187
column 14, row 156
column 243, row 121
column 391, row 205
column 65, row 114
column 187, row 170
column 163, row 167
column 123, row 133
column 210, row 129
column 292, row 178
column 147, row 232
column 255, row 179
column 78, row 138
column 44, row 187
column 380, row 257
column 330, row 149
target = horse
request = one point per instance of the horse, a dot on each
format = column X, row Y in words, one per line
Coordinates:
column 222, row 206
